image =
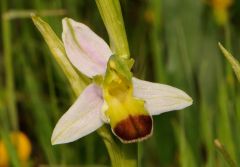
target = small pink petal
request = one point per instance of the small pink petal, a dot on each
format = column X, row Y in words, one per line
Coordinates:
column 82, row 118
column 86, row 50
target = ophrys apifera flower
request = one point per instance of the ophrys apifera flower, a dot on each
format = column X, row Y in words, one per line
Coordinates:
column 114, row 96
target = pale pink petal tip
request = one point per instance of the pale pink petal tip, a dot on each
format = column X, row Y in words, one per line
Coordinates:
column 86, row 50
column 82, row 118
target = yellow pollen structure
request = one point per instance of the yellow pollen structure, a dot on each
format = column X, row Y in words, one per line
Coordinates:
column 129, row 119
column 22, row 146
column 112, row 64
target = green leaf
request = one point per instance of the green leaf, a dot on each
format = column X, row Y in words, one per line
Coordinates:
column 56, row 46
column 235, row 64
column 224, row 153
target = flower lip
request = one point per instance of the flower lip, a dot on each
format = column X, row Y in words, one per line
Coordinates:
column 134, row 128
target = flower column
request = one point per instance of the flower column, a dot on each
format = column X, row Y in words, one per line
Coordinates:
column 111, row 14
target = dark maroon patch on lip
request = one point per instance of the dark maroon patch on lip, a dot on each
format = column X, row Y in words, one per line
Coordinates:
column 134, row 127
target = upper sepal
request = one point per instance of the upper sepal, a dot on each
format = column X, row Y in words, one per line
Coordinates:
column 86, row 50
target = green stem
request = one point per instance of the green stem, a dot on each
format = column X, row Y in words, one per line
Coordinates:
column 10, row 95
column 4, row 133
column 110, row 11
column 16, row 14
column 140, row 153
column 121, row 155
column 224, row 153
column 155, row 6
column 233, row 61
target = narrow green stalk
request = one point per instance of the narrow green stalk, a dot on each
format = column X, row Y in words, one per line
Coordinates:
column 155, row 35
column 51, row 87
column 117, row 151
column 237, row 100
column 185, row 151
column 111, row 14
column 11, row 151
column 235, row 64
column 110, row 11
column 16, row 14
column 42, row 130
column 207, row 131
column 4, row 133
column 224, row 153
column 224, row 123
column 140, row 154
column 89, row 149
column 8, row 62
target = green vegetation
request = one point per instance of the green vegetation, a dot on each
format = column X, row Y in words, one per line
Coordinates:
column 172, row 42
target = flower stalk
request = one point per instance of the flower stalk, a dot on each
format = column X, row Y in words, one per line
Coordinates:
column 224, row 153
column 10, row 87
column 111, row 14
column 233, row 61
column 121, row 155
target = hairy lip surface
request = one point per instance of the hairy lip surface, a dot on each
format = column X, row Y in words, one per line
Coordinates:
column 134, row 128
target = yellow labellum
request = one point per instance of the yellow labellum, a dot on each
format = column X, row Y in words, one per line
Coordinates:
column 129, row 119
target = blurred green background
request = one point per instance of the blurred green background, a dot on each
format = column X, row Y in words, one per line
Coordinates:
column 173, row 42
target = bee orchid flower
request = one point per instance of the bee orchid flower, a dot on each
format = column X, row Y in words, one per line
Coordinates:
column 114, row 96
